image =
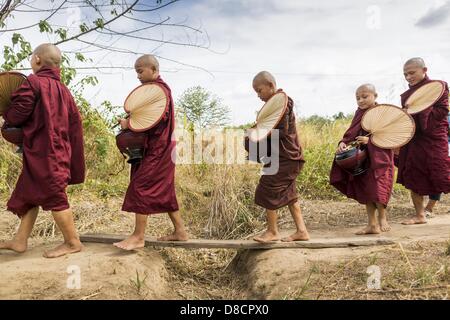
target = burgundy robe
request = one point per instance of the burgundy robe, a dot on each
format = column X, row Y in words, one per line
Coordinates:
column 53, row 154
column 423, row 164
column 279, row 190
column 375, row 185
column 152, row 183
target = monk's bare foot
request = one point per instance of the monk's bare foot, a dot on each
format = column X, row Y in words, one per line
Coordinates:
column 369, row 230
column 298, row 236
column 267, row 237
column 176, row 236
column 14, row 245
column 415, row 220
column 64, row 249
column 131, row 243
column 384, row 225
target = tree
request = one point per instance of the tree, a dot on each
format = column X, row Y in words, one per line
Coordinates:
column 92, row 27
column 202, row 108
column 96, row 25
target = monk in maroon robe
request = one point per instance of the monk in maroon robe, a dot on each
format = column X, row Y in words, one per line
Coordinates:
column 53, row 155
column 372, row 188
column 278, row 190
column 152, row 184
column 423, row 164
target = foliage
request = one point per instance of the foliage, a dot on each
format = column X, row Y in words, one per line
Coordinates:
column 202, row 108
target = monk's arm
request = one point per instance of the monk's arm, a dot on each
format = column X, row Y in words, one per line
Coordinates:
column 22, row 105
column 77, row 163
column 352, row 132
column 440, row 112
column 430, row 118
column 283, row 125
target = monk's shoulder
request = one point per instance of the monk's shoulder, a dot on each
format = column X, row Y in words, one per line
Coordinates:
column 34, row 83
column 445, row 84
column 359, row 112
column 290, row 105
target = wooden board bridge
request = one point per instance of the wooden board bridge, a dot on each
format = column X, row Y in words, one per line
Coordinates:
column 315, row 243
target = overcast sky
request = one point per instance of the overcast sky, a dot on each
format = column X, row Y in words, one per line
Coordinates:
column 319, row 51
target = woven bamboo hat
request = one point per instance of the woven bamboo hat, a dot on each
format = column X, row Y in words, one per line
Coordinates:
column 269, row 116
column 9, row 82
column 390, row 127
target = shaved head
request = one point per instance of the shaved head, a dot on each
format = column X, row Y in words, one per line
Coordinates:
column 264, row 77
column 147, row 61
column 416, row 62
column 367, row 87
column 49, row 55
column 366, row 96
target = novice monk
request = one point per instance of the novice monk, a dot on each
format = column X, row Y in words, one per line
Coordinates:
column 152, row 184
column 276, row 191
column 372, row 188
column 53, row 155
column 423, row 164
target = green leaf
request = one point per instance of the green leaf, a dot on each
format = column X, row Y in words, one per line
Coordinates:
column 84, row 27
column 99, row 23
column 44, row 26
column 80, row 57
column 15, row 38
column 62, row 33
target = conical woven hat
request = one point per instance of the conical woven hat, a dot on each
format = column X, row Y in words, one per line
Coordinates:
column 269, row 116
column 9, row 82
column 425, row 97
column 390, row 126
column 146, row 105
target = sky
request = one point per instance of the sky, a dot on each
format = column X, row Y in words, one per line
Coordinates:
column 319, row 51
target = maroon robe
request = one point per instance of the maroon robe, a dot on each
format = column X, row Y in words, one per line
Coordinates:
column 53, row 155
column 423, row 164
column 152, row 183
column 279, row 190
column 375, row 185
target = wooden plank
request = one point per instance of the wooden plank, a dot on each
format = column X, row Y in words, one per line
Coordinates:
column 247, row 244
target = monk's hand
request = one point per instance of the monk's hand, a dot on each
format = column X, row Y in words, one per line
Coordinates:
column 341, row 147
column 362, row 140
column 123, row 124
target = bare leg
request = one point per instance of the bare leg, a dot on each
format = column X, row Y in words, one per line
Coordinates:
column 382, row 218
column 372, row 227
column 429, row 208
column 137, row 239
column 419, row 218
column 301, row 234
column 72, row 244
column 430, row 205
column 179, row 233
column 271, row 234
column 19, row 243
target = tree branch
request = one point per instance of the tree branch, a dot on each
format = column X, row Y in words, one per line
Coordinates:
column 36, row 24
column 127, row 51
column 98, row 27
column 114, row 32
column 157, row 8
column 166, row 24
column 7, row 8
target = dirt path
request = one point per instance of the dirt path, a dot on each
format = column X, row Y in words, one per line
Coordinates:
column 108, row 273
column 105, row 273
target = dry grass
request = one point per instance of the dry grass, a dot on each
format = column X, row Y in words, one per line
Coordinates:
column 203, row 274
column 417, row 271
column 10, row 165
